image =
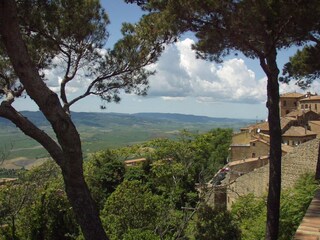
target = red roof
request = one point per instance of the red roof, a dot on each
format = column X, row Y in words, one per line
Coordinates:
column 291, row 95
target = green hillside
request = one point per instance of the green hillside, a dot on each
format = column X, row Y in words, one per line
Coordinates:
column 105, row 130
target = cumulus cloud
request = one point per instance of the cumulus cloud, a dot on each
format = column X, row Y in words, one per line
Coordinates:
column 179, row 74
column 293, row 87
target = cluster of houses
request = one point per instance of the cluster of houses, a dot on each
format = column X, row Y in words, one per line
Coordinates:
column 249, row 150
column 300, row 122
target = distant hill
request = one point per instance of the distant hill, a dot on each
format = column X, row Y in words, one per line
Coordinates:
column 186, row 118
column 100, row 131
column 106, row 119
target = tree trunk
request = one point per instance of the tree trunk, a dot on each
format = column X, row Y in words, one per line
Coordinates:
column 82, row 203
column 273, row 202
column 70, row 157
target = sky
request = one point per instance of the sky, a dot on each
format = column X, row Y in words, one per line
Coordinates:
column 183, row 84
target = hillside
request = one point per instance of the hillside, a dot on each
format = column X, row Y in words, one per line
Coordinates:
column 105, row 130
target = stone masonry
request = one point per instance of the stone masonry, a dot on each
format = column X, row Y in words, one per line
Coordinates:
column 302, row 159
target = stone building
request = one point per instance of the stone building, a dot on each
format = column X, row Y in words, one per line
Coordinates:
column 252, row 175
column 289, row 102
column 263, row 127
column 248, row 166
column 302, row 117
column 311, row 103
column 256, row 146
column 296, row 135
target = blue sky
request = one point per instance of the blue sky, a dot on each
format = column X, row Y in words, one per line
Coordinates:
column 235, row 89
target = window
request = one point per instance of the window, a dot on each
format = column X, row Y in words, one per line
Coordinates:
column 253, row 155
column 253, row 144
column 284, row 103
column 306, row 106
column 315, row 107
column 295, row 104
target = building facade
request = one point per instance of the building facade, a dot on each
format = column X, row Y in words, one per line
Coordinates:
column 289, row 102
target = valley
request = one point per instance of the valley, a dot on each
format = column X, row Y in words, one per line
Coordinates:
column 100, row 131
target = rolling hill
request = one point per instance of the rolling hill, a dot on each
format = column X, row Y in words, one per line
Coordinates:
column 105, row 130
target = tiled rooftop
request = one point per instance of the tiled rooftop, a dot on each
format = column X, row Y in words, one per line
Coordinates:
column 292, row 95
column 311, row 98
column 298, row 132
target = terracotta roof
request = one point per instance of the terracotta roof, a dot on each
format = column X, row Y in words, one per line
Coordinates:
column 264, row 126
column 291, row 95
column 315, row 122
column 237, row 162
column 134, row 160
column 297, row 112
column 284, row 121
column 259, row 140
column 311, row 98
column 298, row 132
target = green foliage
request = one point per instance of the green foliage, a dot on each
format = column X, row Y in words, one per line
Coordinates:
column 136, row 173
column 9, row 173
column 172, row 181
column 250, row 212
column 146, row 201
column 223, row 27
column 215, row 224
column 294, row 204
column 304, row 66
column 201, row 154
column 131, row 206
column 49, row 217
column 134, row 234
column 36, row 206
column 103, row 172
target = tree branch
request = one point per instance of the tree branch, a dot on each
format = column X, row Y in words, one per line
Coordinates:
column 28, row 128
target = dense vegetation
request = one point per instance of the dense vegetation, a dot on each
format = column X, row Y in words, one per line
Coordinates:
column 250, row 212
column 156, row 199
column 9, row 173
column 147, row 201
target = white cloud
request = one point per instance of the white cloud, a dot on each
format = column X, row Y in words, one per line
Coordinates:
column 55, row 75
column 180, row 74
column 173, row 98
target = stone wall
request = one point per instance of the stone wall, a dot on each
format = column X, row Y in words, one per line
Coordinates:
column 302, row 159
column 255, row 182
column 315, row 126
